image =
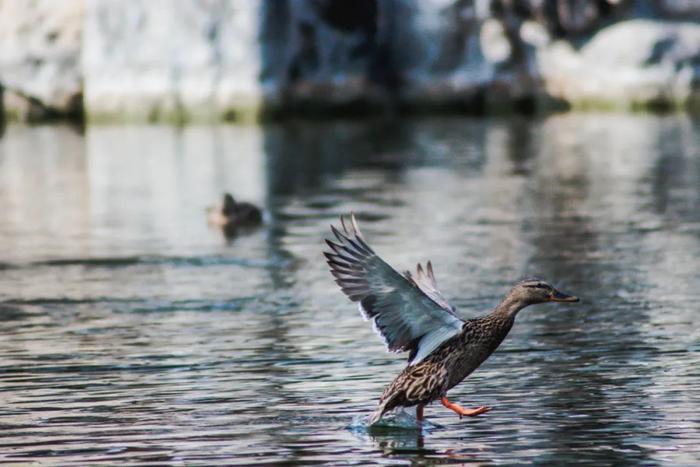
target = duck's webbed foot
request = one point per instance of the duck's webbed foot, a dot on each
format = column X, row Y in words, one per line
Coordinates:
column 461, row 411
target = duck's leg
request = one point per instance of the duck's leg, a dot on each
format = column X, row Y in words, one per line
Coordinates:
column 459, row 410
column 419, row 413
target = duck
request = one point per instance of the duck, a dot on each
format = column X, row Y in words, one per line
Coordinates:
column 230, row 214
column 410, row 314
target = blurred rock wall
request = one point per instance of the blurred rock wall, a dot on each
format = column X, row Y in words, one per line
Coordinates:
column 183, row 60
column 171, row 60
column 40, row 44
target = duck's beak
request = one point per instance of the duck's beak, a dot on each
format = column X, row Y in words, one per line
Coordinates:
column 562, row 297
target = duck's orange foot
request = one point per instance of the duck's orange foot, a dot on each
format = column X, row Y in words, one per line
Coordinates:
column 461, row 411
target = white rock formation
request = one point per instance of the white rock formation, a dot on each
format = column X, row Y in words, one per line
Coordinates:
column 630, row 62
column 40, row 43
column 154, row 60
column 182, row 60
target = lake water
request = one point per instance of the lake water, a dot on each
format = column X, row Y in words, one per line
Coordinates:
column 131, row 332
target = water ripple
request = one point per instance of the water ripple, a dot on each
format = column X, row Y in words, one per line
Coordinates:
column 134, row 334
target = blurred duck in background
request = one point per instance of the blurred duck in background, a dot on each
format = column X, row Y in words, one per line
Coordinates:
column 230, row 215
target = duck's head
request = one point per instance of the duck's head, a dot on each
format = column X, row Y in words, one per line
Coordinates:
column 532, row 291
column 228, row 206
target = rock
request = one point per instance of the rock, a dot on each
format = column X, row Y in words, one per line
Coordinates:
column 40, row 42
column 494, row 43
column 635, row 62
column 184, row 60
column 685, row 9
column 171, row 60
column 440, row 62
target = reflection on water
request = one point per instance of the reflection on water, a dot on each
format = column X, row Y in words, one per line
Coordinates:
column 133, row 331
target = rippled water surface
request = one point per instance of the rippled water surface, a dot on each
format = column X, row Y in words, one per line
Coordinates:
column 132, row 332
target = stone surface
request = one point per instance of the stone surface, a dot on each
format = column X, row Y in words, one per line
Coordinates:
column 186, row 60
column 171, row 60
column 629, row 63
column 40, row 43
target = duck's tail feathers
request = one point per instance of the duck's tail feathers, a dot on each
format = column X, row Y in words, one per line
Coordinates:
column 377, row 414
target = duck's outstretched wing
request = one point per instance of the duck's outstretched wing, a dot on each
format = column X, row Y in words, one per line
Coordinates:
column 408, row 313
column 425, row 280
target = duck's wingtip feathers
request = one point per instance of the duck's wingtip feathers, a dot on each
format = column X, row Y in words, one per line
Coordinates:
column 350, row 227
column 355, row 225
column 343, row 225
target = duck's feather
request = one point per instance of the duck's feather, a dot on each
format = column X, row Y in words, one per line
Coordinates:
column 425, row 280
column 409, row 313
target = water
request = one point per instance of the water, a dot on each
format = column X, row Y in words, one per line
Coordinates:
column 134, row 333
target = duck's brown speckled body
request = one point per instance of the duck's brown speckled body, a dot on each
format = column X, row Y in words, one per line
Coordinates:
column 410, row 314
column 448, row 365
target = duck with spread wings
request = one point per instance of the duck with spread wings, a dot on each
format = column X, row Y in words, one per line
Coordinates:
column 411, row 315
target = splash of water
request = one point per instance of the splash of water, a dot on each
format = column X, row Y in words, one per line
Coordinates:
column 399, row 419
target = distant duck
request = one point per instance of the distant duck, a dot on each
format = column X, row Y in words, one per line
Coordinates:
column 230, row 215
column 410, row 314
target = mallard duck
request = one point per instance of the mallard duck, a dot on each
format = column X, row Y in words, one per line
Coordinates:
column 230, row 215
column 411, row 315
